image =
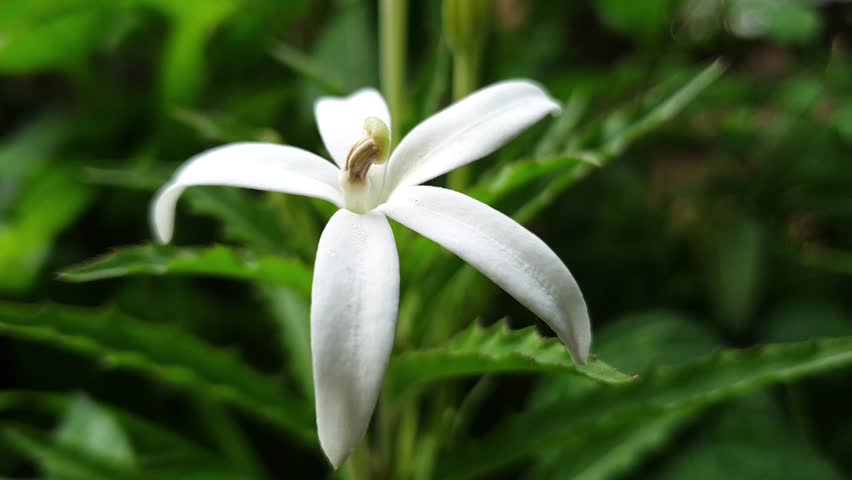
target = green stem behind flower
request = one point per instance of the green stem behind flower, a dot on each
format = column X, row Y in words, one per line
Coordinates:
column 393, row 19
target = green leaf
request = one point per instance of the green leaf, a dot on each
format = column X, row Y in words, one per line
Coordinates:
column 51, row 202
column 609, row 450
column 223, row 128
column 193, row 22
column 734, row 270
column 306, row 66
column 217, row 261
column 638, row 342
column 663, row 112
column 784, row 21
column 150, row 439
column 264, row 222
column 291, row 312
column 646, row 20
column 244, row 217
column 29, row 35
column 831, row 260
column 751, row 440
column 635, row 342
column 64, row 461
column 88, row 427
column 496, row 349
column 698, row 384
column 165, row 354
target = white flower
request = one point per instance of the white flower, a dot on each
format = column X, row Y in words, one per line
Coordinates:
column 356, row 275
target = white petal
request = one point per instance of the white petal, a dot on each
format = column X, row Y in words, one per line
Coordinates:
column 507, row 253
column 341, row 119
column 262, row 166
column 353, row 317
column 468, row 130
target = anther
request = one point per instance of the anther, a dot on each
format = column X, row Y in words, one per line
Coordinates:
column 372, row 148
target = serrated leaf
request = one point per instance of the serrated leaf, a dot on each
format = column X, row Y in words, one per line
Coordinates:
column 495, row 349
column 634, row 342
column 165, row 354
column 217, row 261
column 698, row 384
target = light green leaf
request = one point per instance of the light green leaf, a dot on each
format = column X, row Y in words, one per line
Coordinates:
column 150, row 439
column 29, row 35
column 698, row 384
column 223, row 128
column 663, row 112
column 495, row 349
column 49, row 203
column 65, row 461
column 88, row 427
column 217, row 261
column 165, row 354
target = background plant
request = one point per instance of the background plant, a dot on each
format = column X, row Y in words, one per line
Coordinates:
column 703, row 206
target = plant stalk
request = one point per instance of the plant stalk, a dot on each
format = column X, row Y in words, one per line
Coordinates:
column 393, row 23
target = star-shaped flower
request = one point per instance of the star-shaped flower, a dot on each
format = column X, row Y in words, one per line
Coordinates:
column 355, row 292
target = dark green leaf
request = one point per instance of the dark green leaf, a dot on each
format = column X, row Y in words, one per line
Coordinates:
column 217, row 261
column 495, row 349
column 166, row 354
column 697, row 384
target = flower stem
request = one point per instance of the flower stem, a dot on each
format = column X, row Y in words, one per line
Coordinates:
column 465, row 80
column 393, row 19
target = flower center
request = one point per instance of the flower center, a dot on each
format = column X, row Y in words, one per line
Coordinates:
column 371, row 149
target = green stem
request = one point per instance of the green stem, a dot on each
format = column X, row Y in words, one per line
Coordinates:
column 465, row 81
column 393, row 19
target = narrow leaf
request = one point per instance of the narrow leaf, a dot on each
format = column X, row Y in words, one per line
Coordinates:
column 495, row 349
column 698, row 384
column 65, row 461
column 165, row 354
column 218, row 261
column 308, row 68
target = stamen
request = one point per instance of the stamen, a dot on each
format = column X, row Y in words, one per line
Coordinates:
column 372, row 148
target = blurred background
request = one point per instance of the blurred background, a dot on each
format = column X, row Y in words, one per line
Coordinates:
column 707, row 210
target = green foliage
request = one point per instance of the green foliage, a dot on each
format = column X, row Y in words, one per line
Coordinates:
column 710, row 196
column 495, row 349
column 697, row 384
column 165, row 354
column 87, row 427
column 751, row 440
column 217, row 261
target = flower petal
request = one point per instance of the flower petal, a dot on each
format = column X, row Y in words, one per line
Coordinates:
column 341, row 119
column 262, row 166
column 507, row 253
column 353, row 317
column 468, row 130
